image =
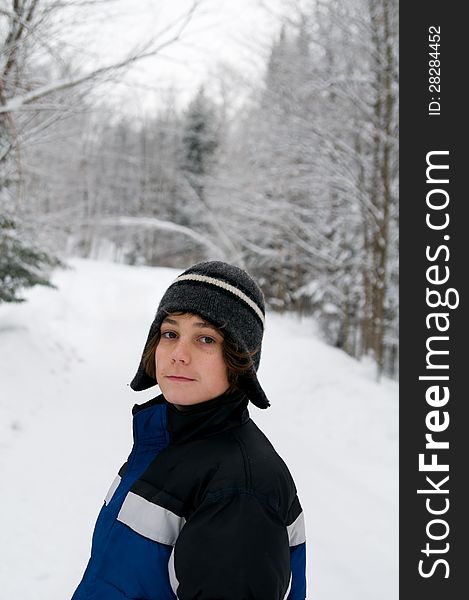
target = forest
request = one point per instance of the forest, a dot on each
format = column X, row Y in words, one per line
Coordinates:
column 293, row 177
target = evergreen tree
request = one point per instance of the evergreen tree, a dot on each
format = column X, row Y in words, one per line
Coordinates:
column 199, row 142
column 200, row 139
column 21, row 264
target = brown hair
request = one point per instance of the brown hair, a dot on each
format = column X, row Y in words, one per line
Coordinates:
column 238, row 362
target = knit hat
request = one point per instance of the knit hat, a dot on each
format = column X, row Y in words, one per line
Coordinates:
column 227, row 297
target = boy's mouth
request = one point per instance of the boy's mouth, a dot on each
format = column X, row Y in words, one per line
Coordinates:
column 179, row 378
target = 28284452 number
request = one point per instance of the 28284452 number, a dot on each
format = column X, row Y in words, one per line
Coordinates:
column 434, row 61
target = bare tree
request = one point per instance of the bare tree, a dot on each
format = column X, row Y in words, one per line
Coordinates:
column 315, row 173
column 39, row 86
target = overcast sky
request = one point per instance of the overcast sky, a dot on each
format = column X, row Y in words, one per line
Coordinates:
column 222, row 34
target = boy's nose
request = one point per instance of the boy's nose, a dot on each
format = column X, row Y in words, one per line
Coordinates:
column 181, row 352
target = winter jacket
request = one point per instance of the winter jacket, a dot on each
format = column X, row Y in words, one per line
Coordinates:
column 204, row 508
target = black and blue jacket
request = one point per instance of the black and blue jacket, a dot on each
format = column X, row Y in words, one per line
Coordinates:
column 203, row 509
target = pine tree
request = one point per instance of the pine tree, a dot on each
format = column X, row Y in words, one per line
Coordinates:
column 200, row 138
column 199, row 142
column 21, row 264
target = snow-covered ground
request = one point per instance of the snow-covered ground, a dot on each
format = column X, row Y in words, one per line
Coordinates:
column 66, row 357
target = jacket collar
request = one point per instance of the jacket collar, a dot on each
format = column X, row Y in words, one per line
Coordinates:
column 208, row 418
column 149, row 422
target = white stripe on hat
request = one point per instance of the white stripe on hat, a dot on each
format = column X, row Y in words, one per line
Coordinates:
column 226, row 286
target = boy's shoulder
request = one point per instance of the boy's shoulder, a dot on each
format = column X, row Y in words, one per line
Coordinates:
column 244, row 459
column 244, row 447
column 238, row 460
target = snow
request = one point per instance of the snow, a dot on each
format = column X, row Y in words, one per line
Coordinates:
column 66, row 357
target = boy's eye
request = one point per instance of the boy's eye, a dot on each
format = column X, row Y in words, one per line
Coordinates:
column 169, row 335
column 206, row 339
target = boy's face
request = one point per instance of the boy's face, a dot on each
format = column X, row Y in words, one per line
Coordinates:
column 190, row 367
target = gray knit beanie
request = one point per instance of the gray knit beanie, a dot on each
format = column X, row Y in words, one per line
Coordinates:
column 227, row 297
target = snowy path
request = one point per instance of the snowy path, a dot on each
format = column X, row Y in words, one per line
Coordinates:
column 65, row 360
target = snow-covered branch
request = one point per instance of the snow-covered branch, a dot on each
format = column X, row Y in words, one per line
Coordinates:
column 159, row 224
column 148, row 49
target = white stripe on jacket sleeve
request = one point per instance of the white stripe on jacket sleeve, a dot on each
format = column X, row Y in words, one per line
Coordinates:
column 296, row 531
column 150, row 520
column 173, row 580
column 112, row 489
